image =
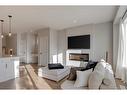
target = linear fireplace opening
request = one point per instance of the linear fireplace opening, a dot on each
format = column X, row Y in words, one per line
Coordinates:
column 79, row 56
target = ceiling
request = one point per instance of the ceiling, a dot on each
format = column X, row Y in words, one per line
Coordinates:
column 31, row 18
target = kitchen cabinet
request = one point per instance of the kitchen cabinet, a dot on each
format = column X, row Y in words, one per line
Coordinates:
column 9, row 68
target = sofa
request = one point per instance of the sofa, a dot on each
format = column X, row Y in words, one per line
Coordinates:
column 101, row 77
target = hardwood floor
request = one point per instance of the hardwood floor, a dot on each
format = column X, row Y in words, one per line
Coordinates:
column 119, row 83
column 29, row 80
column 42, row 83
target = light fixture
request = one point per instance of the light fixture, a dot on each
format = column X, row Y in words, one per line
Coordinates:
column 2, row 22
column 10, row 33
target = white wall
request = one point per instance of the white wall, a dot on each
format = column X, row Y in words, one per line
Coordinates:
column 0, row 46
column 11, row 43
column 62, row 47
column 101, row 40
column 53, row 46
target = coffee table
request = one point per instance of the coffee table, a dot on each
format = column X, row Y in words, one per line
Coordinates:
column 54, row 74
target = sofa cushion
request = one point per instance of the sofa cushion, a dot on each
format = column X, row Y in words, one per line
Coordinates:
column 70, row 85
column 103, row 86
column 110, row 76
column 82, row 78
column 95, row 80
column 97, row 76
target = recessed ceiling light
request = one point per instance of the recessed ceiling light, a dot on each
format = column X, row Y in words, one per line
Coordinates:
column 74, row 21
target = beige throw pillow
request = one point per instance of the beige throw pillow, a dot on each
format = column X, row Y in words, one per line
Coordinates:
column 82, row 78
column 96, row 77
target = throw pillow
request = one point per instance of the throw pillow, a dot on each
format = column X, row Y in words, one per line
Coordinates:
column 100, row 67
column 72, row 75
column 82, row 78
column 91, row 64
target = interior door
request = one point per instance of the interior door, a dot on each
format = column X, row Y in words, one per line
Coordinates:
column 43, row 51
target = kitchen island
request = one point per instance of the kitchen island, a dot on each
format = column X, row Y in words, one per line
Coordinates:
column 9, row 68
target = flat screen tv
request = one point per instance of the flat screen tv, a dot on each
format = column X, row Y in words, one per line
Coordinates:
column 79, row 42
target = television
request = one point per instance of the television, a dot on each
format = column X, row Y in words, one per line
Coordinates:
column 79, row 42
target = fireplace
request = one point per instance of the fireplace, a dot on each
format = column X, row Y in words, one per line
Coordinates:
column 79, row 57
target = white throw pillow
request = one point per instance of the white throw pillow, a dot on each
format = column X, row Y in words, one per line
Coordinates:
column 100, row 67
column 82, row 78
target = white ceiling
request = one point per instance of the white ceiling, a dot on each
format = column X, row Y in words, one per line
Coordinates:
column 30, row 18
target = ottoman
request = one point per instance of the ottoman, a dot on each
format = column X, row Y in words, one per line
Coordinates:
column 53, row 74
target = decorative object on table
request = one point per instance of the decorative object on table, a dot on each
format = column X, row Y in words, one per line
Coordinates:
column 55, row 66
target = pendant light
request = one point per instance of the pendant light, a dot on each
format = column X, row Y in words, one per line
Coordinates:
column 2, row 22
column 10, row 33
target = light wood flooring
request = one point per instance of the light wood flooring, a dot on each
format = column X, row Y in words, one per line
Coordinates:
column 29, row 80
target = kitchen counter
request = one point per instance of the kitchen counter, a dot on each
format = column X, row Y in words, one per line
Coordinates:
column 12, row 57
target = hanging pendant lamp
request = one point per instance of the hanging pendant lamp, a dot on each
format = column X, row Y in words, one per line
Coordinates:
column 10, row 32
column 2, row 22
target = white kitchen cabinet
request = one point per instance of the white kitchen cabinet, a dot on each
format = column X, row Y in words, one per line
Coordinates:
column 2, row 71
column 9, row 68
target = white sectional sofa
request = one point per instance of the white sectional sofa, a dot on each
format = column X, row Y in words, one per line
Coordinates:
column 101, row 78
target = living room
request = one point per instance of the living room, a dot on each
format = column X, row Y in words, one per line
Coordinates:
column 52, row 39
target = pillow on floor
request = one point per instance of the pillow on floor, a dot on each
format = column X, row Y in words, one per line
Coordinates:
column 82, row 78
